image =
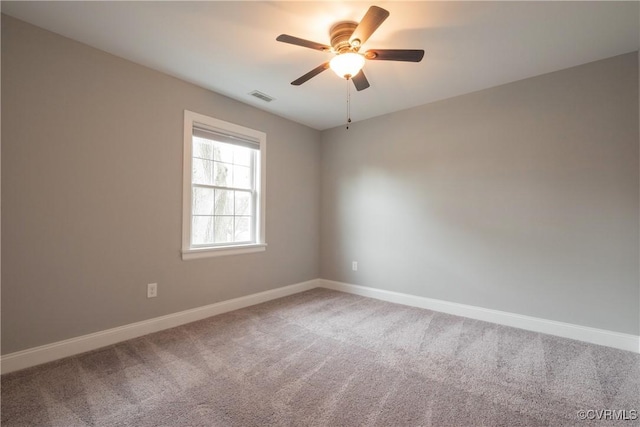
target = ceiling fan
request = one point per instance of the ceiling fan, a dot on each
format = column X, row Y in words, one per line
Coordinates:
column 346, row 40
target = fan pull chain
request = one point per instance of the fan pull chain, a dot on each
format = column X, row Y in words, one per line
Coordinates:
column 348, row 103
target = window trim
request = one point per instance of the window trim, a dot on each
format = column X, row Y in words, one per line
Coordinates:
column 189, row 252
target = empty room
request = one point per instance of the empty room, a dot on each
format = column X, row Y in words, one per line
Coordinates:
column 320, row 213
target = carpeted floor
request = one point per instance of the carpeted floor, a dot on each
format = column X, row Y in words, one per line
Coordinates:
column 332, row 359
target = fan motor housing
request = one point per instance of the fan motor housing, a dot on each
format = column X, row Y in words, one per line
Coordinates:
column 340, row 34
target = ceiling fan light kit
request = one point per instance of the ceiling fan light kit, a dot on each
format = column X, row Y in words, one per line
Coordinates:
column 347, row 65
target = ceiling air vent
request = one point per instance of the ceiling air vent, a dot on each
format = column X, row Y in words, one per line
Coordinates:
column 260, row 95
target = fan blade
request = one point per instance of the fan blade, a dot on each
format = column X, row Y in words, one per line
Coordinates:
column 371, row 21
column 285, row 38
column 409, row 55
column 360, row 81
column 320, row 68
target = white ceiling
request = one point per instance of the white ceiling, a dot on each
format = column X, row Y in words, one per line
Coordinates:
column 230, row 47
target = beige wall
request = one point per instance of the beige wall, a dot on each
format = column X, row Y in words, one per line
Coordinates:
column 92, row 193
column 522, row 198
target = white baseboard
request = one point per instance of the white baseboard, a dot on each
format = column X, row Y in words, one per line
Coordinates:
column 566, row 330
column 50, row 352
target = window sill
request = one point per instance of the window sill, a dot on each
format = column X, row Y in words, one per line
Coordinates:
column 222, row 251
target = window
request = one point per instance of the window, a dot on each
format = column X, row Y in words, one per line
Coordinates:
column 223, row 188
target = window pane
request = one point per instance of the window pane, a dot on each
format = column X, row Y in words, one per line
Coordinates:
column 223, row 229
column 202, row 201
column 224, row 202
column 222, row 174
column 242, row 156
column 202, row 230
column 223, row 152
column 202, row 148
column 241, row 177
column 243, row 229
column 243, row 203
column 202, row 171
column 223, row 207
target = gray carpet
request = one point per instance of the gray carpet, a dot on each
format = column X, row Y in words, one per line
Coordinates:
column 325, row 358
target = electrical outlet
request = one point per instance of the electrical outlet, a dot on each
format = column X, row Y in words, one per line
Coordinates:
column 354, row 265
column 152, row 290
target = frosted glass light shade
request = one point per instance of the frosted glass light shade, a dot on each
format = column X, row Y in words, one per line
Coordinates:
column 347, row 65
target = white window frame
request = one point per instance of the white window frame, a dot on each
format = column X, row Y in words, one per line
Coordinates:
column 194, row 252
